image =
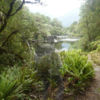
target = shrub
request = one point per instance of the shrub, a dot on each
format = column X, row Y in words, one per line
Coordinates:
column 16, row 83
column 97, row 38
column 10, row 88
column 95, row 56
column 94, row 45
column 98, row 48
column 48, row 68
column 76, row 70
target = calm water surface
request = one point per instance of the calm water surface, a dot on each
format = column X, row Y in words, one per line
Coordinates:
column 60, row 46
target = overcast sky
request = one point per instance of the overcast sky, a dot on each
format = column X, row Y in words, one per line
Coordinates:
column 56, row 8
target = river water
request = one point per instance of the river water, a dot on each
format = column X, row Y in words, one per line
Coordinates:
column 63, row 46
column 42, row 49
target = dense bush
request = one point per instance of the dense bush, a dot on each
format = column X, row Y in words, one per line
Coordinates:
column 94, row 45
column 98, row 48
column 24, row 83
column 48, row 68
column 95, row 56
column 16, row 83
column 76, row 70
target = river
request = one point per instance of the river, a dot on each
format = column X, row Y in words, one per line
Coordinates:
column 42, row 49
column 63, row 46
column 64, row 43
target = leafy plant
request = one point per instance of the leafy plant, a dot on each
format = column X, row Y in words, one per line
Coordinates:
column 95, row 56
column 10, row 87
column 76, row 70
column 48, row 70
column 16, row 83
column 98, row 48
column 94, row 45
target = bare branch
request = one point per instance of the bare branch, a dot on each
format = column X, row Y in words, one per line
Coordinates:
column 11, row 8
column 31, row 2
column 23, row 2
column 7, row 39
column 20, row 7
column 7, row 16
column 9, row 13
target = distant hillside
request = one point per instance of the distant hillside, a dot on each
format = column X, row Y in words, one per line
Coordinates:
column 69, row 18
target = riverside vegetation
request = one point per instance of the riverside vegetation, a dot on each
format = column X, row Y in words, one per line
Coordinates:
column 54, row 75
column 27, row 83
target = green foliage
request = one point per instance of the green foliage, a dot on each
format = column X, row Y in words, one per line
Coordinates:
column 57, row 28
column 95, row 45
column 73, row 30
column 16, row 82
column 48, row 68
column 95, row 56
column 16, row 48
column 88, row 27
column 10, row 86
column 76, row 69
column 30, row 27
column 46, row 27
column 89, row 22
column 98, row 48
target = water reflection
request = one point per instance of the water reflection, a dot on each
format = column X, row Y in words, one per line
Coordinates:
column 42, row 49
column 61, row 46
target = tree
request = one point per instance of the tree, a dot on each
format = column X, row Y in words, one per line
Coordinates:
column 73, row 29
column 57, row 28
column 16, row 27
column 89, row 21
column 9, row 8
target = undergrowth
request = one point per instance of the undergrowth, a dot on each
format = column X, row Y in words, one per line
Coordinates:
column 28, row 83
column 77, row 72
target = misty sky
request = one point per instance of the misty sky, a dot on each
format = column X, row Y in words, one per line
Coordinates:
column 56, row 8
